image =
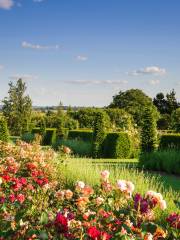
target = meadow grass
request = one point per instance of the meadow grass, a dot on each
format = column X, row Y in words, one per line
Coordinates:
column 86, row 170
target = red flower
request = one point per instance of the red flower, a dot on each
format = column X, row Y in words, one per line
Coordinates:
column 12, row 198
column 23, row 181
column 6, row 178
column 21, row 198
column 61, row 223
column 105, row 236
column 93, row 232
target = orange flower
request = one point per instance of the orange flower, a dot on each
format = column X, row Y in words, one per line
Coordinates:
column 159, row 234
column 86, row 191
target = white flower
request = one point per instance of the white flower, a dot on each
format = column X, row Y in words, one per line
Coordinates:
column 122, row 185
column 80, row 184
column 1, row 181
column 162, row 204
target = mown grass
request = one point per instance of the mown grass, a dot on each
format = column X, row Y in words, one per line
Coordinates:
column 75, row 169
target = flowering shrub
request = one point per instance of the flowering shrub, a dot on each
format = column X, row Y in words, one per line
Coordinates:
column 26, row 185
column 33, row 204
column 110, row 212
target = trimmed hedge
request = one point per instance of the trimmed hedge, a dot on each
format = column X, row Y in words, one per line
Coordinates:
column 169, row 141
column 117, row 145
column 81, row 134
column 49, row 137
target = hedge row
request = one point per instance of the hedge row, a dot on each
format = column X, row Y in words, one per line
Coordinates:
column 170, row 141
column 115, row 145
column 81, row 134
column 48, row 137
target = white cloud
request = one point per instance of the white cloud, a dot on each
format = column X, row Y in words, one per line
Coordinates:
column 81, row 58
column 23, row 76
column 38, row 47
column 6, row 4
column 98, row 82
column 152, row 70
column 154, row 82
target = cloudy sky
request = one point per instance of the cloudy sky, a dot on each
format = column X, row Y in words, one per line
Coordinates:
column 83, row 52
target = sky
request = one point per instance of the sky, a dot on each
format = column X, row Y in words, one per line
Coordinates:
column 83, row 52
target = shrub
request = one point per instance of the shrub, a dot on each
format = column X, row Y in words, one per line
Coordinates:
column 50, row 136
column 27, row 137
column 99, row 134
column 4, row 133
column 83, row 134
column 117, row 145
column 78, row 147
column 170, row 141
column 175, row 119
column 149, row 132
column 163, row 160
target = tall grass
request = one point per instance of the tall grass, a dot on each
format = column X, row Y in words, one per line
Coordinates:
column 167, row 161
column 79, row 147
column 76, row 169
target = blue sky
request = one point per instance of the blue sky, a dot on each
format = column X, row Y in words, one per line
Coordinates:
column 83, row 52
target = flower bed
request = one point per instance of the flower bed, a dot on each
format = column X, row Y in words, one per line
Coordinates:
column 33, row 204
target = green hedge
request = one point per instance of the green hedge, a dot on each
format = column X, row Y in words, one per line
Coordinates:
column 49, row 137
column 81, row 134
column 117, row 145
column 163, row 160
column 170, row 141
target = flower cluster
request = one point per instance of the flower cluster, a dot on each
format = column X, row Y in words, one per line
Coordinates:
column 100, row 214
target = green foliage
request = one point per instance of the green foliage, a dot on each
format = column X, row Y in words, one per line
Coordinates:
column 4, row 133
column 134, row 101
column 148, row 132
column 50, row 136
column 163, row 160
column 17, row 108
column 166, row 105
column 78, row 147
column 164, row 122
column 170, row 141
column 120, row 118
column 86, row 117
column 81, row 134
column 27, row 137
column 175, row 119
column 99, row 133
column 117, row 145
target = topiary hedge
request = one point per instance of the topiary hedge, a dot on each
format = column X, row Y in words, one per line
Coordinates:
column 170, row 141
column 81, row 134
column 117, row 145
column 49, row 137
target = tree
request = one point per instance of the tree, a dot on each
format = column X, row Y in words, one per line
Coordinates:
column 175, row 119
column 134, row 101
column 161, row 103
column 17, row 108
column 148, row 131
column 172, row 103
column 4, row 133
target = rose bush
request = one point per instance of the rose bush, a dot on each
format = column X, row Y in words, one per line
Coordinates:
column 34, row 204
